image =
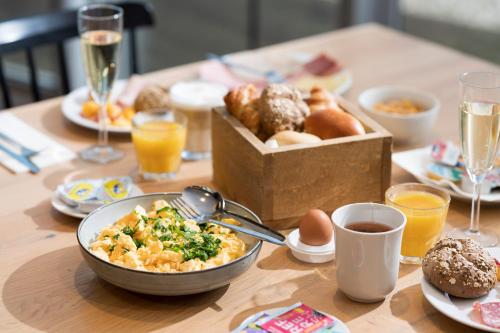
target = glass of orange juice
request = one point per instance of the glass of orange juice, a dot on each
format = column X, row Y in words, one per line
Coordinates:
column 159, row 137
column 425, row 208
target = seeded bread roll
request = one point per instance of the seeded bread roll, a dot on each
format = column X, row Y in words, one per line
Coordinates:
column 282, row 108
column 460, row 267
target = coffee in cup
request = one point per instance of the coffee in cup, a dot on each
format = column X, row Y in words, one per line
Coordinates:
column 367, row 249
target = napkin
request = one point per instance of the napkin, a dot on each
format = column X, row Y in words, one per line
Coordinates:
column 51, row 152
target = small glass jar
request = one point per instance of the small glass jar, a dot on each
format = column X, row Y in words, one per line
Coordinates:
column 196, row 99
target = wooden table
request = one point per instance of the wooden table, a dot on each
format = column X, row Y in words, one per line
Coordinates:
column 46, row 285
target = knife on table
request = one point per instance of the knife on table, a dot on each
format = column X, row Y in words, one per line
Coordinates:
column 20, row 158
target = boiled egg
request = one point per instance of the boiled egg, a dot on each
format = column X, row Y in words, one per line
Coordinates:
column 315, row 228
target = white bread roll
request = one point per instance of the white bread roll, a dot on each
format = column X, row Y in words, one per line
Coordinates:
column 285, row 138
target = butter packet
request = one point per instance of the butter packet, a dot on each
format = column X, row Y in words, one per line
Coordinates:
column 446, row 152
column 438, row 172
column 88, row 194
column 296, row 318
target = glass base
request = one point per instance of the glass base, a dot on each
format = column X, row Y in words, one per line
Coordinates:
column 196, row 156
column 158, row 176
column 101, row 154
column 485, row 238
column 410, row 260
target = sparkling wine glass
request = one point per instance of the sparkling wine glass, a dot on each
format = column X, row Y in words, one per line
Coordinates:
column 479, row 135
column 100, row 28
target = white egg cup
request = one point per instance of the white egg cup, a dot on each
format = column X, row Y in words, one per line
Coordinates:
column 309, row 253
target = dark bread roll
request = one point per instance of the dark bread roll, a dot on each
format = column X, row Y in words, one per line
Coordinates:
column 460, row 267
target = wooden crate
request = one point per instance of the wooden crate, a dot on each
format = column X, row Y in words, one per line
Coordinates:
column 282, row 184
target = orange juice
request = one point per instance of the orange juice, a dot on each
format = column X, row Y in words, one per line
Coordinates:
column 425, row 208
column 158, row 145
column 426, row 216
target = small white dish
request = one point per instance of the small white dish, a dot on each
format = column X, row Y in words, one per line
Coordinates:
column 308, row 253
column 65, row 209
column 460, row 309
column 72, row 107
column 404, row 128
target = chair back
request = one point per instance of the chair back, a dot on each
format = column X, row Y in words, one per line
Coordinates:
column 26, row 33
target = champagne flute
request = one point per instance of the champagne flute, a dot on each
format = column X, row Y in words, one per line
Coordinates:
column 100, row 28
column 479, row 136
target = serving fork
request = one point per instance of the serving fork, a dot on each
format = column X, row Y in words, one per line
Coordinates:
column 189, row 212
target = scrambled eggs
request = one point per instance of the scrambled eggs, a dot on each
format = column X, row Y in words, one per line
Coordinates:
column 161, row 240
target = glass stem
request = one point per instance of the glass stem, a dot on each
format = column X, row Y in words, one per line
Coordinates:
column 476, row 201
column 102, row 139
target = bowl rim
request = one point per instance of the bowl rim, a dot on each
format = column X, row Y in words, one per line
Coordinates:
column 436, row 105
column 248, row 254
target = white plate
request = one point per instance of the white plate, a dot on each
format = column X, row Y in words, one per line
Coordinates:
column 63, row 208
column 341, row 80
column 339, row 326
column 73, row 102
column 415, row 162
column 460, row 309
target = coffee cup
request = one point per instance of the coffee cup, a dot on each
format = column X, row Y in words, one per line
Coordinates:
column 367, row 260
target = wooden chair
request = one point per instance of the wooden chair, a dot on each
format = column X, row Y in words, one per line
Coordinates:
column 54, row 28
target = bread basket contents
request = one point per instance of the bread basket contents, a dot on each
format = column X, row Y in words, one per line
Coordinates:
column 280, row 115
column 243, row 103
column 460, row 267
column 286, row 138
column 161, row 240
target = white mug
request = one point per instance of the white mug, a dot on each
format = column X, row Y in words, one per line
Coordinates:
column 367, row 263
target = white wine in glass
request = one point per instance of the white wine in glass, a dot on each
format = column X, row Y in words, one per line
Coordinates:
column 100, row 48
column 100, row 35
column 479, row 136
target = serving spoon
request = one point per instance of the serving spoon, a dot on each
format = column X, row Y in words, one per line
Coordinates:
column 211, row 203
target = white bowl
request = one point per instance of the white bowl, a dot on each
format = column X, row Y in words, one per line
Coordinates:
column 404, row 128
column 168, row 284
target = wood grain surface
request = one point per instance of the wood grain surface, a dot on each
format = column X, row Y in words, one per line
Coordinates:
column 46, row 286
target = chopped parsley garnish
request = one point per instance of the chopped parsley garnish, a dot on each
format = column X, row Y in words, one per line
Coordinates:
column 128, row 231
column 171, row 210
column 111, row 247
column 125, row 250
column 165, row 237
column 204, row 248
column 115, row 237
column 138, row 243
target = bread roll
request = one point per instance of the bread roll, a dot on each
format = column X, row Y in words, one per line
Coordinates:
column 282, row 108
column 460, row 267
column 320, row 99
column 151, row 97
column 286, row 138
column 243, row 103
column 332, row 123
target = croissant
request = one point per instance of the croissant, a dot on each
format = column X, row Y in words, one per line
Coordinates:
column 243, row 103
column 321, row 99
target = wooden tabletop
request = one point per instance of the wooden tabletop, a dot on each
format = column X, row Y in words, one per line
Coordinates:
column 46, row 286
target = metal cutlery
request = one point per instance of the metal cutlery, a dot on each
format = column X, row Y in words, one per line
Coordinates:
column 211, row 203
column 25, row 151
column 189, row 212
column 21, row 158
